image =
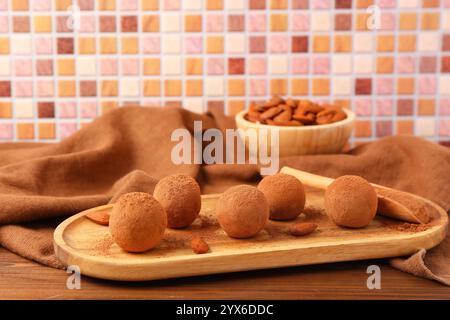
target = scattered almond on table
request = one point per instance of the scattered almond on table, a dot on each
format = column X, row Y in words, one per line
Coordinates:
column 291, row 112
column 199, row 245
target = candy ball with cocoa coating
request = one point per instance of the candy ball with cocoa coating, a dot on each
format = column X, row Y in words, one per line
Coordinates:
column 242, row 211
column 285, row 195
column 180, row 196
column 137, row 222
column 351, row 201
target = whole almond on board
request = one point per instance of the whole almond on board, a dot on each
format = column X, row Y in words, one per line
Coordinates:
column 302, row 229
column 99, row 217
column 199, row 245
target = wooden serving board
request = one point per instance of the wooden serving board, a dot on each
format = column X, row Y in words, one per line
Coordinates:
column 79, row 241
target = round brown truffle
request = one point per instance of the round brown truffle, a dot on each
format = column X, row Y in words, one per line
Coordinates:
column 180, row 197
column 242, row 211
column 350, row 201
column 137, row 222
column 285, row 195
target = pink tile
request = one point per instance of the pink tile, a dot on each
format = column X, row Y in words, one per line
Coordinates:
column 45, row 88
column 321, row 65
column 427, row 85
column 66, row 129
column 128, row 4
column 384, row 107
column 88, row 109
column 4, row 24
column 320, row 4
column 300, row 22
column 130, row 66
column 171, row 4
column 444, row 107
column 87, row 24
column 67, row 109
column 405, row 64
column 43, row 45
column 279, row 44
column 363, row 107
column 447, row 3
column 257, row 87
column 257, row 65
column 23, row 67
column 387, row 21
column 385, row 86
column 108, row 67
column 300, row 65
column 151, row 45
column 193, row 45
column 42, row 5
column 444, row 128
column 214, row 23
column 6, row 131
column 215, row 66
column 385, row 3
column 3, row 5
column 257, row 22
column 23, row 89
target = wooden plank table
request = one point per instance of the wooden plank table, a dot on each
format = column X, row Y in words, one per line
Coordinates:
column 22, row 279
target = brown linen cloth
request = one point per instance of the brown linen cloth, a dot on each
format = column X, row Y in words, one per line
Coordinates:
column 129, row 149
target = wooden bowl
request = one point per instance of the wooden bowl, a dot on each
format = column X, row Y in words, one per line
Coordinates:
column 315, row 139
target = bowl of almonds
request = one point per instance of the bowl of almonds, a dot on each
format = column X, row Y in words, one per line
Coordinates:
column 304, row 127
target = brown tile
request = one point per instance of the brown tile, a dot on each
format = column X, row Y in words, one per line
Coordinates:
column 234, row 107
column 62, row 25
column 405, row 107
column 46, row 109
column 88, row 88
column 363, row 86
column 257, row 4
column 428, row 64
column 383, row 128
column 236, row 22
column 65, row 45
column 446, row 42
column 44, row 67
column 129, row 23
column 343, row 22
column 236, row 66
column 445, row 64
column 257, row 44
column 300, row 44
column 300, row 4
column 107, row 23
column 216, row 106
column 343, row 4
column 21, row 24
column 5, row 88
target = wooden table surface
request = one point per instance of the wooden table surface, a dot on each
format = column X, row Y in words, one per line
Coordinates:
column 22, row 279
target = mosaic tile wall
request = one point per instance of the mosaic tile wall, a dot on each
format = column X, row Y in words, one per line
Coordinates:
column 60, row 67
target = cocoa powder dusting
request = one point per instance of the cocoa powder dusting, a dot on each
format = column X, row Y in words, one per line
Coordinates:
column 408, row 227
column 104, row 245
